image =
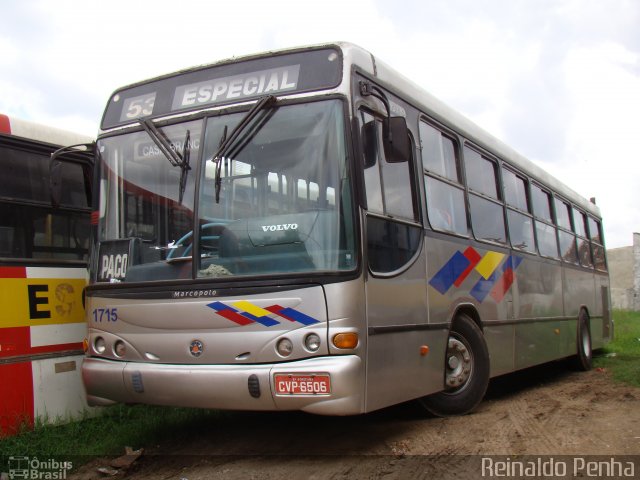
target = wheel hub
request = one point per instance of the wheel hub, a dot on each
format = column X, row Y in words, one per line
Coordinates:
column 459, row 364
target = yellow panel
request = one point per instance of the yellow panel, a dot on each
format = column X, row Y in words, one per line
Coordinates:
column 489, row 263
column 29, row 302
column 251, row 308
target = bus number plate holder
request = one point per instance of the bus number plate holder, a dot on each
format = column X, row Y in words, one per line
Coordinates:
column 302, row 384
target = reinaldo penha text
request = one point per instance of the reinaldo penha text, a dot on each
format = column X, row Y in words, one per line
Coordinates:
column 569, row 467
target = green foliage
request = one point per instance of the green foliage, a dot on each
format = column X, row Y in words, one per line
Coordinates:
column 106, row 434
column 622, row 355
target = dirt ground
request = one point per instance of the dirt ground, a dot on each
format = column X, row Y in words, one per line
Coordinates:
column 548, row 410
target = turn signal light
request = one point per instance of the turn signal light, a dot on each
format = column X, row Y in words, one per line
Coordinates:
column 346, row 340
column 85, row 345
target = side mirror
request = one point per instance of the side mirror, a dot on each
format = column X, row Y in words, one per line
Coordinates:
column 397, row 146
column 81, row 154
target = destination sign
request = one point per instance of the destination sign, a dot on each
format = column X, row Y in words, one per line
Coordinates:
column 226, row 83
column 241, row 86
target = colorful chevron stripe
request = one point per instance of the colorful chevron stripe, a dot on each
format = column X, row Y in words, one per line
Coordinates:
column 246, row 313
column 497, row 273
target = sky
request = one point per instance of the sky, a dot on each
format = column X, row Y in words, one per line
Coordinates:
column 557, row 80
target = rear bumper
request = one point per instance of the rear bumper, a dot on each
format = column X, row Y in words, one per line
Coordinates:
column 224, row 386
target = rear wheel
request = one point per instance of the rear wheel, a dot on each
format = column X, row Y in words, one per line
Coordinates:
column 584, row 356
column 466, row 371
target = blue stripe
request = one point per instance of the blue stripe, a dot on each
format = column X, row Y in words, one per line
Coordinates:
column 298, row 316
column 218, row 306
column 266, row 321
column 449, row 273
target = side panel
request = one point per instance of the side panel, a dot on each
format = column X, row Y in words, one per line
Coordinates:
column 398, row 317
column 41, row 333
column 540, row 290
column 602, row 327
column 482, row 279
column 578, row 288
column 58, row 394
column 541, row 334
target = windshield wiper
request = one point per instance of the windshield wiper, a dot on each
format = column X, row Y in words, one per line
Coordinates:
column 184, row 167
column 175, row 159
column 227, row 141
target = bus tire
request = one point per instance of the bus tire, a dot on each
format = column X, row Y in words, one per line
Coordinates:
column 584, row 356
column 466, row 371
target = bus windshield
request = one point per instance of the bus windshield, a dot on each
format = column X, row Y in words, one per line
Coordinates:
column 282, row 204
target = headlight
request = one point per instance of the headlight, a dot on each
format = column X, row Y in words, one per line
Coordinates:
column 312, row 342
column 284, row 347
column 99, row 346
column 120, row 349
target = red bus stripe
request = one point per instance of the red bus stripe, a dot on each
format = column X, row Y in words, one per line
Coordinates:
column 16, row 401
column 15, row 341
column 62, row 347
column 503, row 285
column 474, row 258
column 13, row 272
column 5, row 124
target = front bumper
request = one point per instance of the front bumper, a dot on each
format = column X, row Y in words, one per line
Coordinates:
column 224, row 386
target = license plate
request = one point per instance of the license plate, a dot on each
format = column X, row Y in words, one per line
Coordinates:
column 302, row 384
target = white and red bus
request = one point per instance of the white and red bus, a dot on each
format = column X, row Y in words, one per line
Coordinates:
column 43, row 258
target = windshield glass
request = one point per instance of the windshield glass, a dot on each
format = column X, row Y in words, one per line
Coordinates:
column 284, row 201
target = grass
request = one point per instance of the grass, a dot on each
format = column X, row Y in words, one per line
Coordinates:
column 622, row 355
column 107, row 434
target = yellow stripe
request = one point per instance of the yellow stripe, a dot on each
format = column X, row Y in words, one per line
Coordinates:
column 251, row 308
column 49, row 301
column 488, row 264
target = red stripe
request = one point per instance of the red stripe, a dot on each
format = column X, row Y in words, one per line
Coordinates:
column 13, row 272
column 95, row 217
column 503, row 285
column 15, row 341
column 5, row 124
column 16, row 400
column 62, row 347
column 234, row 317
column 277, row 309
column 473, row 257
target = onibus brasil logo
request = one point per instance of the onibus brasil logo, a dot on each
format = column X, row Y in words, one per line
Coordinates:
column 36, row 469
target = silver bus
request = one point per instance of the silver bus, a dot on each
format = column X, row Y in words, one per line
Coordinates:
column 309, row 230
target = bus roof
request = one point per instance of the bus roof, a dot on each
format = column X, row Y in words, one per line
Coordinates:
column 441, row 112
column 405, row 88
column 42, row 133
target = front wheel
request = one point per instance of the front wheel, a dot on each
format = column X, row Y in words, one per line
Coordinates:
column 466, row 371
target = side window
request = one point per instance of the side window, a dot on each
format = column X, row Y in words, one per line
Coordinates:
column 584, row 251
column 27, row 231
column 389, row 186
column 545, row 230
column 518, row 213
column 566, row 237
column 481, row 173
column 487, row 212
column 26, row 173
column 390, row 245
column 597, row 244
column 541, row 203
column 445, row 194
column 391, row 195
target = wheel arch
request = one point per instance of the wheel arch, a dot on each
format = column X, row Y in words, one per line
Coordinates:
column 470, row 311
